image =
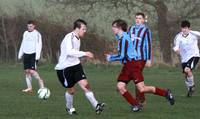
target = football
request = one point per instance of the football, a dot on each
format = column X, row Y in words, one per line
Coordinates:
column 44, row 93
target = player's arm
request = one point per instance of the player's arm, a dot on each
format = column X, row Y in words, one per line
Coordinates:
column 38, row 46
column 71, row 51
column 148, row 48
column 20, row 54
column 196, row 33
column 121, row 53
column 176, row 45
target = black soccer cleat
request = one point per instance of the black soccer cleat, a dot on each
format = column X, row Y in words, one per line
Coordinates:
column 191, row 91
column 170, row 97
column 137, row 108
column 99, row 108
column 71, row 111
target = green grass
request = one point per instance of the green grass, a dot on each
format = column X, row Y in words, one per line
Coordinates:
column 16, row 105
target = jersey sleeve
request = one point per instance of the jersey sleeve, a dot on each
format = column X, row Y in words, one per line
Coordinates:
column 196, row 33
column 20, row 54
column 121, row 54
column 38, row 46
column 148, row 44
column 70, row 49
column 176, row 43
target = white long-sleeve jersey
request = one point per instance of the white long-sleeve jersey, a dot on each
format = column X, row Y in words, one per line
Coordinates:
column 70, row 52
column 31, row 43
column 187, row 45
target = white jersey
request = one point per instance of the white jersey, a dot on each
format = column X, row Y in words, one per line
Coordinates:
column 187, row 45
column 31, row 43
column 70, row 52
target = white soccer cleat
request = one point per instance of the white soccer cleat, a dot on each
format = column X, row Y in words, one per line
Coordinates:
column 71, row 111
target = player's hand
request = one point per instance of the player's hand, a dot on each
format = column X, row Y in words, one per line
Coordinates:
column 177, row 52
column 89, row 55
column 108, row 57
column 148, row 63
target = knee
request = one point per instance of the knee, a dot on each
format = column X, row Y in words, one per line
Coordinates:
column 32, row 72
column 187, row 70
column 121, row 88
column 71, row 91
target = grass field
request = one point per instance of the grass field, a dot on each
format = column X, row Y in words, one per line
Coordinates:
column 16, row 105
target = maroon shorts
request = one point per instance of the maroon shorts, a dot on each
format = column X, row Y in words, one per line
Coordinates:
column 132, row 70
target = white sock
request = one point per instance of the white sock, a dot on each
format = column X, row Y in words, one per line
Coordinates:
column 191, row 81
column 187, row 83
column 91, row 98
column 28, row 81
column 69, row 100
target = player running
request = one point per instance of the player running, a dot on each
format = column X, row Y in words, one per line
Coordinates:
column 70, row 71
column 186, row 45
column 132, row 67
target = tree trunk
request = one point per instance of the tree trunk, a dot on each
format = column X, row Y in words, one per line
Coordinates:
column 164, row 31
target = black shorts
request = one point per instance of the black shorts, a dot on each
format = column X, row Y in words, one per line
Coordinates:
column 191, row 63
column 69, row 76
column 29, row 61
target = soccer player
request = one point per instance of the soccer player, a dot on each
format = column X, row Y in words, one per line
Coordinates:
column 132, row 68
column 70, row 71
column 30, row 49
column 141, row 31
column 186, row 45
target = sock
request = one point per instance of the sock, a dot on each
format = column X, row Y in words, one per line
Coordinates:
column 139, row 96
column 187, row 83
column 40, row 81
column 91, row 98
column 28, row 81
column 129, row 98
column 69, row 100
column 190, row 81
column 160, row 92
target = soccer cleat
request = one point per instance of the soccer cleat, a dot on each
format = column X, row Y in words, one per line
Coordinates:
column 71, row 111
column 170, row 97
column 28, row 90
column 99, row 108
column 190, row 91
column 137, row 108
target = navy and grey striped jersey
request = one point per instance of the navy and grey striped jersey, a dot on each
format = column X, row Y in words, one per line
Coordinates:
column 142, row 41
column 126, row 50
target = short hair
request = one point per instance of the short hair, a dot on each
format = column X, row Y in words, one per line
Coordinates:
column 141, row 14
column 120, row 24
column 78, row 22
column 31, row 22
column 185, row 23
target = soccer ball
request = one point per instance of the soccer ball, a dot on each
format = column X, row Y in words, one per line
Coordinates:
column 44, row 93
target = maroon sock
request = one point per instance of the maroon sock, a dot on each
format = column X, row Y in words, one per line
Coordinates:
column 129, row 98
column 160, row 92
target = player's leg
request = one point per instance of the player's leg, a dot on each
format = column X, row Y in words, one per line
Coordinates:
column 155, row 90
column 90, row 96
column 27, row 67
column 140, row 97
column 189, row 78
column 66, row 78
column 121, row 87
column 28, row 81
column 69, row 97
column 139, row 82
column 36, row 75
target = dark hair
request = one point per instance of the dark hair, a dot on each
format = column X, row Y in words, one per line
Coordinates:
column 140, row 13
column 120, row 24
column 31, row 22
column 78, row 22
column 185, row 23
